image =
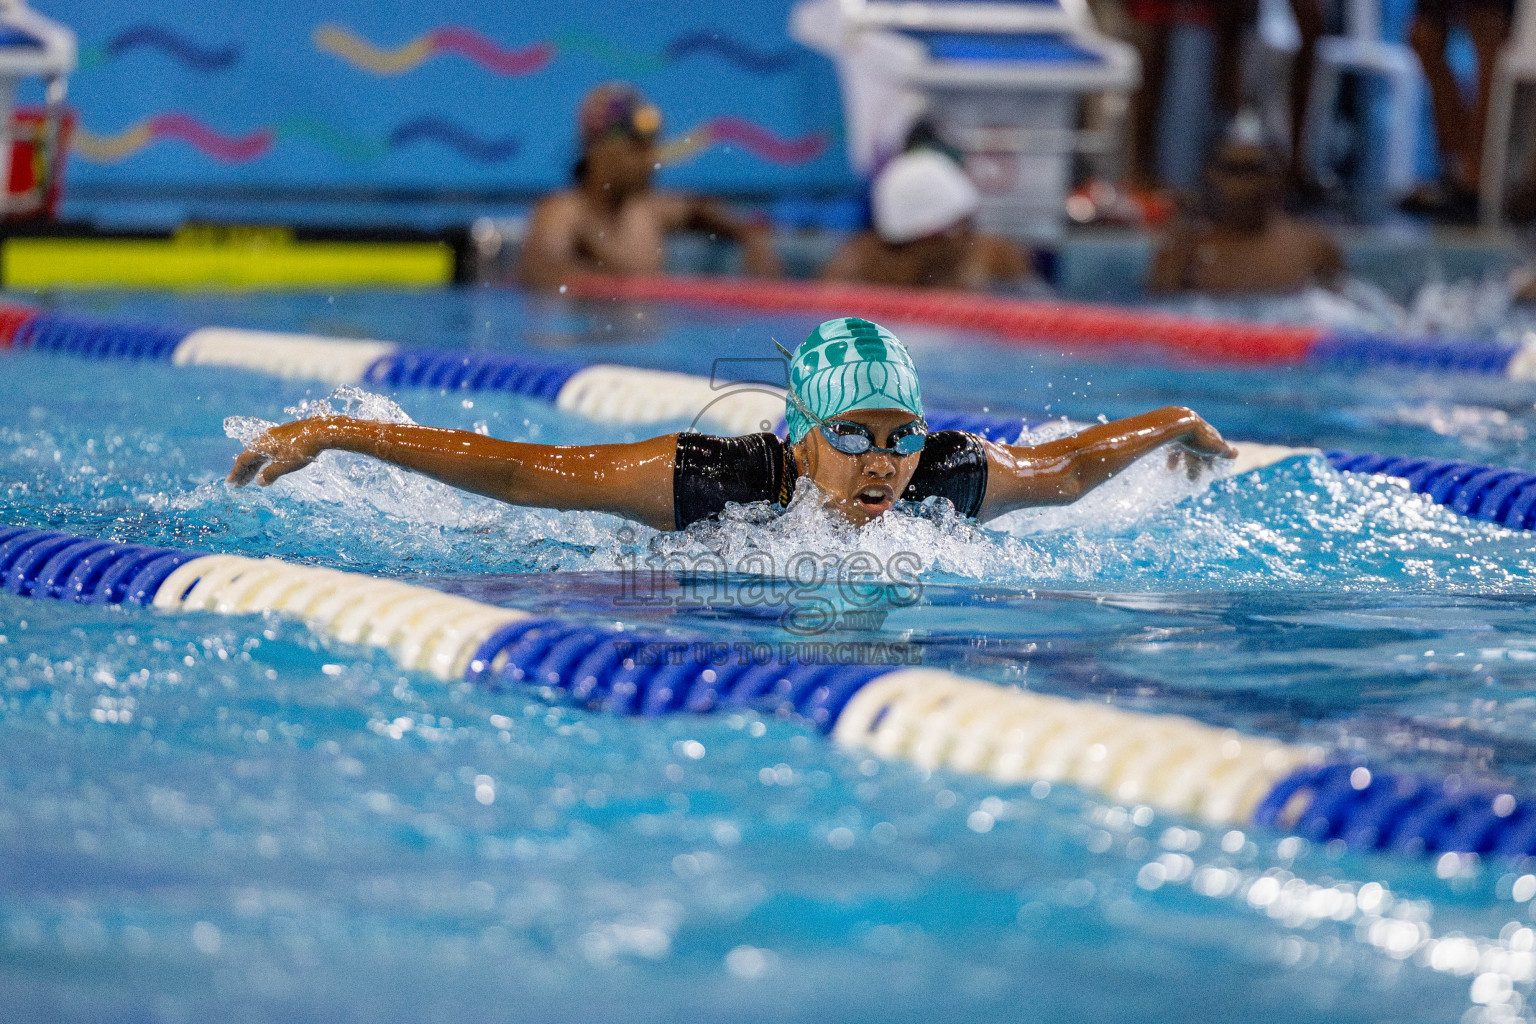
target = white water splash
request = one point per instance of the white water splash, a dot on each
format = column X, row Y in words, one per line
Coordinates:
column 358, row 482
column 1439, row 308
column 1470, row 424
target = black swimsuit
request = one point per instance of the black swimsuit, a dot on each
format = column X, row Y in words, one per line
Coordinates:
column 710, row 472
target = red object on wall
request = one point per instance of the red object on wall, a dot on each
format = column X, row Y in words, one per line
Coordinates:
column 37, row 168
column 1065, row 325
column 11, row 319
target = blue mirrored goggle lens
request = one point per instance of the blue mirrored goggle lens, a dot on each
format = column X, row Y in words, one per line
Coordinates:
column 853, row 439
column 850, row 443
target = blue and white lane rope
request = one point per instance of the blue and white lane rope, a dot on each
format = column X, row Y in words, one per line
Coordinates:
column 624, row 394
column 937, row 719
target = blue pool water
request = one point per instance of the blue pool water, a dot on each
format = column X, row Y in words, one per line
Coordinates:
column 224, row 818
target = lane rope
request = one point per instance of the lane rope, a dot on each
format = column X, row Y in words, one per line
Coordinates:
column 937, row 719
column 1081, row 326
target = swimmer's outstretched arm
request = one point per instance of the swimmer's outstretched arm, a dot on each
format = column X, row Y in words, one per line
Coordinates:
column 629, row 480
column 1059, row 472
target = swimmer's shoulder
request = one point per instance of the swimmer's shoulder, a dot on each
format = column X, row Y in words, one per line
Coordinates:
column 1312, row 248
column 557, row 211
column 710, row 472
column 1301, row 232
column 673, row 210
column 1174, row 259
column 954, row 466
column 565, row 200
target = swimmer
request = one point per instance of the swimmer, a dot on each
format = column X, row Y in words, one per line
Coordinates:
column 856, row 430
column 924, row 204
column 1250, row 243
column 613, row 221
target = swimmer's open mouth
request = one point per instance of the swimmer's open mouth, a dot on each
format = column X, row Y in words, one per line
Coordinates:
column 875, row 499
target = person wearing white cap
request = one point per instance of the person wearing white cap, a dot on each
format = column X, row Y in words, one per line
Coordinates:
column 923, row 236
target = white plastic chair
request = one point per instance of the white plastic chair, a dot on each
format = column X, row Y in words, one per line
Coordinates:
column 1516, row 64
column 1363, row 51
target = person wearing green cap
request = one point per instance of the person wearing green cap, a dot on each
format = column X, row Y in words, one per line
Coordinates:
column 854, row 413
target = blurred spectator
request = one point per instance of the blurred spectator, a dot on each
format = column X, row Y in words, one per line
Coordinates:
column 1458, row 130
column 1311, row 24
column 1248, row 243
column 1147, row 24
column 613, row 221
column 1152, row 21
column 924, row 237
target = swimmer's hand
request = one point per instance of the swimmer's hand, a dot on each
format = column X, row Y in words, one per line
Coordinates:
column 284, row 449
column 1199, row 448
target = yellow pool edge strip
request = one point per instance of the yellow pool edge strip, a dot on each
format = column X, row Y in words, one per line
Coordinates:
column 40, row 263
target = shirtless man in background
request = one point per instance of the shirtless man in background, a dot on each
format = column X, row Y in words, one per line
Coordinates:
column 1249, row 243
column 613, row 221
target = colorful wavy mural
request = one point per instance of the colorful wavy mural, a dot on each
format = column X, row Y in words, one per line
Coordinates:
column 353, row 48
column 310, row 96
column 243, row 148
column 168, row 41
column 755, row 139
column 361, row 53
column 740, row 54
column 358, row 51
column 107, row 149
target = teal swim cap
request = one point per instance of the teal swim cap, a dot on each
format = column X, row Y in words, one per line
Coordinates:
column 849, row 364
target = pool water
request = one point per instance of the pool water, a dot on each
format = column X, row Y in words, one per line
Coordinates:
column 226, row 818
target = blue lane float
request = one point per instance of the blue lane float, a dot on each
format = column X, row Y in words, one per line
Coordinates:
column 937, row 719
column 1503, row 496
column 1439, row 355
column 51, row 331
column 603, row 669
column 1373, row 811
column 476, row 371
column 42, row 563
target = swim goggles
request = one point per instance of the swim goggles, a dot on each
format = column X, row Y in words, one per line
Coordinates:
column 856, row 439
column 626, row 117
